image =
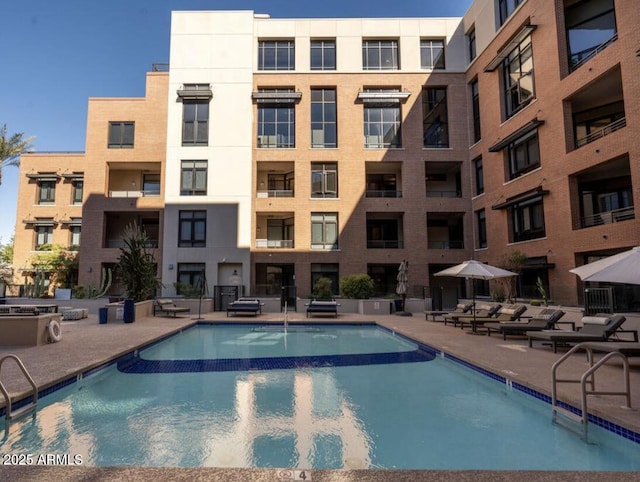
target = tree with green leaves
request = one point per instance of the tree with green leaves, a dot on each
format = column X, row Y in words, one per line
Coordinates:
column 514, row 261
column 12, row 147
column 6, row 252
column 60, row 264
column 137, row 267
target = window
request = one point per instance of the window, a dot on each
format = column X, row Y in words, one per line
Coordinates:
column 46, row 192
column 77, row 187
column 121, row 135
column 481, row 221
column 277, row 121
column 475, row 103
column 591, row 25
column 383, row 233
column 382, row 122
column 517, row 70
column 74, row 237
column 506, row 8
column 193, row 178
column 436, row 123
column 324, row 231
column 523, row 155
column 432, row 54
column 191, row 275
column 276, row 55
column 324, row 180
column 151, row 184
column 323, row 118
column 44, row 238
column 195, row 122
column 326, row 270
column 477, row 164
column 471, row 39
column 527, row 220
column 380, row 55
column 323, row 55
column 193, row 229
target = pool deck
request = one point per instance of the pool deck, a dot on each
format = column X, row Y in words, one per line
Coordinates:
column 86, row 344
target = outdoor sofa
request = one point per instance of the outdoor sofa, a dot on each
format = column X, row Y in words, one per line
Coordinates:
column 601, row 327
column 168, row 307
column 249, row 306
column 545, row 320
column 315, row 307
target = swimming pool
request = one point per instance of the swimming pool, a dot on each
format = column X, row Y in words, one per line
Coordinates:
column 340, row 397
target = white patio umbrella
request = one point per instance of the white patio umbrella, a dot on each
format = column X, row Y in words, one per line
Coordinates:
column 620, row 268
column 473, row 269
column 403, row 281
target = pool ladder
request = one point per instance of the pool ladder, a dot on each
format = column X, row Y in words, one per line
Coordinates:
column 11, row 414
column 587, row 378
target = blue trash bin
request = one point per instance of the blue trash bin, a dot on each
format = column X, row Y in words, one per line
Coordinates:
column 129, row 312
column 103, row 314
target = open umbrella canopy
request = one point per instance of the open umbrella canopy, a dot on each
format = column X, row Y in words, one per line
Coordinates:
column 620, row 268
column 475, row 270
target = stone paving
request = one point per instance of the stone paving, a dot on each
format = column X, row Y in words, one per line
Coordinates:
column 86, row 343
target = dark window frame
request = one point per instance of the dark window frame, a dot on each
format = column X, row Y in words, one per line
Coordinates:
column 324, row 180
column 121, row 135
column 195, row 122
column 323, row 220
column 196, row 168
column 195, row 222
column 276, row 54
column 327, row 54
column 481, row 222
column 432, row 53
column 479, row 175
column 516, row 77
column 46, row 192
column 529, row 145
column 527, row 220
column 373, row 54
column 435, row 126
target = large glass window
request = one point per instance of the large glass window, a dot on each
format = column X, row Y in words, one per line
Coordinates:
column 326, row 270
column 77, row 187
column 323, row 118
column 481, row 221
column 324, row 231
column 527, row 220
column 382, row 122
column 191, row 275
column 74, row 237
column 471, row 39
column 324, row 180
column 44, row 238
column 193, row 229
column 523, row 155
column 195, row 122
column 506, row 8
column 277, row 122
column 591, row 25
column 276, row 55
column 518, row 81
column 432, row 54
column 121, row 135
column 475, row 104
column 380, row 55
column 436, row 122
column 323, row 55
column 193, row 178
column 151, row 184
column 46, row 192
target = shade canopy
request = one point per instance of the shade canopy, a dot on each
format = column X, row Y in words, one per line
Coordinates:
column 475, row 270
column 620, row 268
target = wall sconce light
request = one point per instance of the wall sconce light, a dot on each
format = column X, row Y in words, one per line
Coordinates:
column 89, row 269
column 170, row 266
column 258, row 229
column 133, row 184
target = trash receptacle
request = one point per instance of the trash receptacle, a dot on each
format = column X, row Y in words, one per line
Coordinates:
column 103, row 313
column 129, row 313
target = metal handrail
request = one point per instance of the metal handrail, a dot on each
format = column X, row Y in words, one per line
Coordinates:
column 608, row 129
column 607, row 217
column 8, row 409
column 584, row 56
column 588, row 377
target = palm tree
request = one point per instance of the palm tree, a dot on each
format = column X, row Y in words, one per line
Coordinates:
column 12, row 148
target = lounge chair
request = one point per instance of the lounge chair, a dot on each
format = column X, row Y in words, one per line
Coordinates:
column 545, row 320
column 460, row 308
column 506, row 313
column 482, row 311
column 595, row 328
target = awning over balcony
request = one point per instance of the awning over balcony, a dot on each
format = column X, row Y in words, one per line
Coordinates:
column 520, row 198
column 43, row 176
column 513, row 42
column 525, row 129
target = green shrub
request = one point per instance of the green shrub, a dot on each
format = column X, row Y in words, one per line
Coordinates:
column 356, row 286
column 322, row 288
column 187, row 290
column 79, row 292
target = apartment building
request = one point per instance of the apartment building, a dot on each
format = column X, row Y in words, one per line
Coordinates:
column 284, row 150
column 83, row 201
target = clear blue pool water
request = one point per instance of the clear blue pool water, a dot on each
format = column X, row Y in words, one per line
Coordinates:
column 416, row 412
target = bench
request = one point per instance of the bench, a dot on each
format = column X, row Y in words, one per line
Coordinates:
column 244, row 305
column 74, row 313
column 168, row 307
column 322, row 307
column 8, row 310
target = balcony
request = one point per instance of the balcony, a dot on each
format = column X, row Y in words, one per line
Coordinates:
column 133, row 180
column 275, row 180
column 274, row 243
column 608, row 217
column 442, row 179
column 385, row 230
column 384, row 180
column 275, row 231
column 603, row 131
column 445, row 230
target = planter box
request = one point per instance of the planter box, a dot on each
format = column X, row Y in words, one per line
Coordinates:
column 375, row 307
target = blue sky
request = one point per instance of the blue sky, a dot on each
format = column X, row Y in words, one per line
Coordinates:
column 57, row 54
